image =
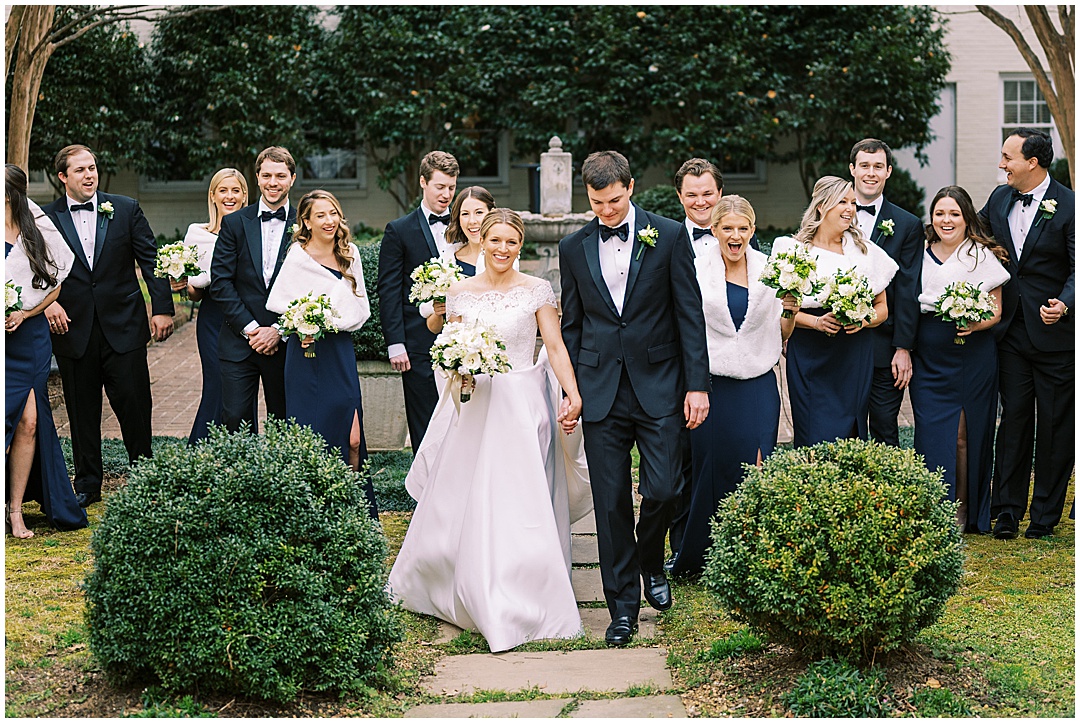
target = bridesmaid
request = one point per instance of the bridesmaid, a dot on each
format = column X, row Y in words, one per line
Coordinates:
column 830, row 367
column 323, row 392
column 745, row 332
column 228, row 192
column 953, row 386
column 38, row 260
column 466, row 213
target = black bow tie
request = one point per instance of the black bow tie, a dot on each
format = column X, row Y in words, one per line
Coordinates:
column 699, row 232
column 88, row 206
column 270, row 215
column 871, row 209
column 607, row 232
column 1025, row 197
column 433, row 219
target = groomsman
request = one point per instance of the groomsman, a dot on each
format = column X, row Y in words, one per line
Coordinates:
column 251, row 245
column 902, row 237
column 700, row 186
column 1032, row 216
column 98, row 323
column 408, row 242
column 635, row 332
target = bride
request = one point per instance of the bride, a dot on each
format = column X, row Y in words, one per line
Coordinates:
column 488, row 548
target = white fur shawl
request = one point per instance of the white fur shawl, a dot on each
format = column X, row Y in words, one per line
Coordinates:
column 300, row 274
column 969, row 262
column 876, row 265
column 199, row 237
column 755, row 347
column 17, row 265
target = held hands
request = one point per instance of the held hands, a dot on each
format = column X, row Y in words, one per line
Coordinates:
column 161, row 326
column 58, row 318
column 569, row 412
column 264, row 340
column 901, row 368
column 1053, row 312
column 400, row 363
column 695, row 409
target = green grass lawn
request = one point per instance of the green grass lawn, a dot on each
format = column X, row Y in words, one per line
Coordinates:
column 1005, row 646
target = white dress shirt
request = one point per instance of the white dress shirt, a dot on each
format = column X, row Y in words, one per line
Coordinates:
column 1021, row 217
column 615, row 260
column 699, row 244
column 272, row 233
column 438, row 230
column 86, row 226
column 868, row 221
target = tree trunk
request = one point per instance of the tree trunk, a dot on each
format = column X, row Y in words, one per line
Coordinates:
column 33, row 54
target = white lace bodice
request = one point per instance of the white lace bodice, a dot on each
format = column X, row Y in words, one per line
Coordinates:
column 512, row 314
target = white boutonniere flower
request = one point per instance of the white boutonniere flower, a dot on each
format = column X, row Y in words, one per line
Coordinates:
column 106, row 209
column 647, row 237
column 294, row 229
column 1047, row 209
column 887, row 227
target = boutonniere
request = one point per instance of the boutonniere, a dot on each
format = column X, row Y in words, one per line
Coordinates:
column 887, row 227
column 1047, row 209
column 106, row 209
column 294, row 229
column 647, row 237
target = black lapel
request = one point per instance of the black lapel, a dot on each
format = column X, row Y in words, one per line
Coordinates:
column 638, row 252
column 428, row 236
column 102, row 227
column 1037, row 225
column 884, row 213
column 591, row 247
column 253, row 233
column 286, row 242
column 67, row 228
column 1006, row 230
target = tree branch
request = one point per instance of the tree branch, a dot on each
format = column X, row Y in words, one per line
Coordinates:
column 119, row 14
column 1022, row 45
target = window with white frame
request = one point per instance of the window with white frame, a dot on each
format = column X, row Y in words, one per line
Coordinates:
column 1023, row 104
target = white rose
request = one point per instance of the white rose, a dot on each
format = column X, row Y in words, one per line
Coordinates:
column 306, row 328
column 846, row 290
column 11, row 297
column 805, row 287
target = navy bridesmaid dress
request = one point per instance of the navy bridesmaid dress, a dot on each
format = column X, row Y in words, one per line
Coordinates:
column 208, row 327
column 323, row 392
column 828, row 383
column 948, row 379
column 748, row 423
column 26, row 366
column 466, row 268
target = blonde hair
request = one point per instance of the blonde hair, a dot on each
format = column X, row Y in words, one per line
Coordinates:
column 733, row 204
column 343, row 247
column 502, row 215
column 217, row 180
column 828, row 192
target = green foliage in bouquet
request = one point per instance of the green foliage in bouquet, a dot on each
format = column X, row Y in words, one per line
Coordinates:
column 246, row 564
column 846, row 548
column 837, row 689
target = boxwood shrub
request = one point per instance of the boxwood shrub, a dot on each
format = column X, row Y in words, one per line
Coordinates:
column 846, row 548
column 368, row 341
column 247, row 564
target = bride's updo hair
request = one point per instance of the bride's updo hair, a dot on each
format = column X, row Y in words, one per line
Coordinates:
column 732, row 204
column 502, row 215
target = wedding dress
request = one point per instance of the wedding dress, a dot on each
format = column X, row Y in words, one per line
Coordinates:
column 498, row 485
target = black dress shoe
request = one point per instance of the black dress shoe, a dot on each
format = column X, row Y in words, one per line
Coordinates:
column 1036, row 532
column 620, row 631
column 670, row 563
column 85, row 499
column 657, row 590
column 1006, row 527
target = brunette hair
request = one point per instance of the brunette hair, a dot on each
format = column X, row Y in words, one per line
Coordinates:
column 502, row 215
column 217, row 180
column 41, row 261
column 604, row 168
column 828, row 192
column 871, row 145
column 977, row 232
column 62, row 156
column 698, row 167
column 438, row 161
column 454, row 233
column 1037, row 144
column 733, row 204
column 344, row 252
column 277, row 154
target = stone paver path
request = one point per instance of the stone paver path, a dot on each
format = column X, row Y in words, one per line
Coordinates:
column 503, row 709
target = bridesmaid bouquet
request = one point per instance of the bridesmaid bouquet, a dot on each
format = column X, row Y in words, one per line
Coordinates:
column 466, row 350
column 432, row 279
column 965, row 303
column 12, row 298
column 177, row 261
column 311, row 317
column 849, row 297
column 792, row 272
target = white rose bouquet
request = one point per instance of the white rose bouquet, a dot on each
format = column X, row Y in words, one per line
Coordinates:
column 847, row 294
column 309, row 317
column 792, row 272
column 965, row 303
column 12, row 298
column 466, row 350
column 432, row 279
column 177, row 261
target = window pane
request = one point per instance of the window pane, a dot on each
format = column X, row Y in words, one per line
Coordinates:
column 1044, row 114
column 335, row 163
column 1011, row 114
column 1027, row 90
column 1027, row 113
column 1011, row 91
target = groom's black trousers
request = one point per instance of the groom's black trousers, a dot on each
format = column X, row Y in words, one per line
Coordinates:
column 607, row 448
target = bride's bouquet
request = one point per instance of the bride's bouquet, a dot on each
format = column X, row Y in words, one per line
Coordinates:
column 12, row 297
column 466, row 350
column 965, row 303
column 847, row 294
column 432, row 279
column 309, row 317
column 177, row 261
column 792, row 272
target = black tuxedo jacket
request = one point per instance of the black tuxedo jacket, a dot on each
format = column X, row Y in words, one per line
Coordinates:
column 407, row 243
column 236, row 278
column 905, row 246
column 111, row 290
column 1044, row 270
column 660, row 335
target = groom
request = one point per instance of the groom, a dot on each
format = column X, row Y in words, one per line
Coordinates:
column 635, row 331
